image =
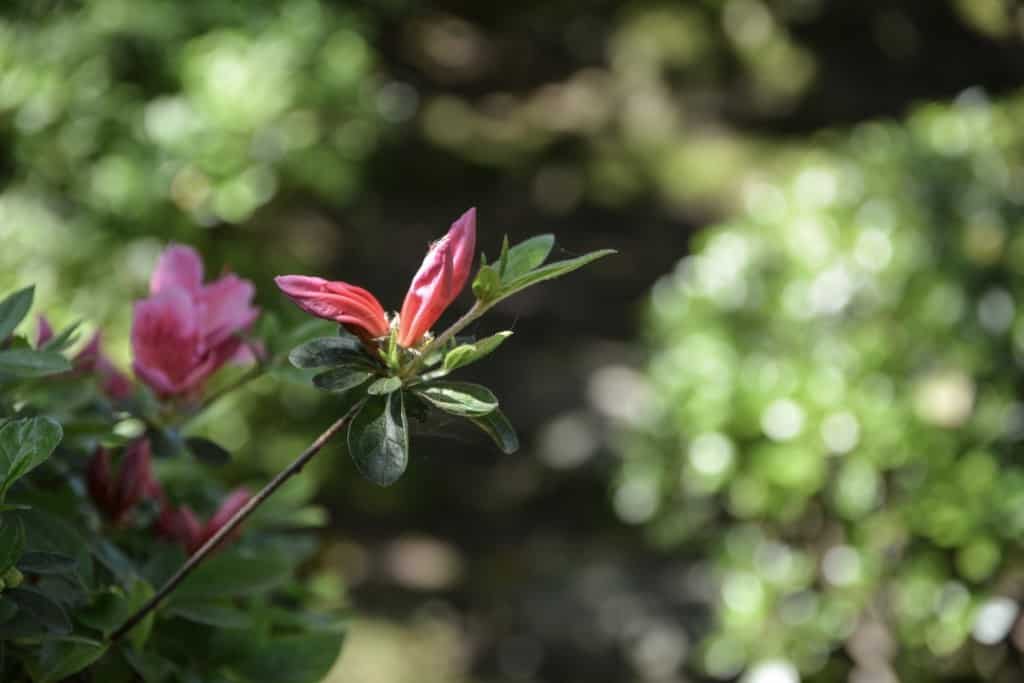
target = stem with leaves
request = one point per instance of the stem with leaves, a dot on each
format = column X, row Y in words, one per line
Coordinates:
column 197, row 558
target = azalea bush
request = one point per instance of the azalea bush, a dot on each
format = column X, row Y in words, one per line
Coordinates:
column 121, row 555
column 834, row 414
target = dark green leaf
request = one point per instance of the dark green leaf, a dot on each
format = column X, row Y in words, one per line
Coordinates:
column 113, row 607
column 63, row 339
column 230, row 573
column 384, row 385
column 487, row 284
column 31, row 363
column 291, row 659
column 327, row 352
column 7, row 609
column 500, row 430
column 60, row 659
column 342, row 379
column 378, row 439
column 211, row 614
column 24, row 445
column 459, row 398
column 166, row 443
column 40, row 609
column 46, row 563
column 503, row 257
column 527, row 255
column 12, row 541
column 465, row 354
column 551, row 271
column 208, row 451
column 13, row 310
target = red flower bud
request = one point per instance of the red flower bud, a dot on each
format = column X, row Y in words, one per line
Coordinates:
column 439, row 281
column 180, row 525
column 117, row 496
column 341, row 302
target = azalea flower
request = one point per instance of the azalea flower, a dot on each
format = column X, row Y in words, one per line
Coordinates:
column 186, row 331
column 116, row 495
column 437, row 283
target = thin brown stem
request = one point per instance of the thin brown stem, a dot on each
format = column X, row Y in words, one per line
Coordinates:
column 462, row 323
column 239, row 517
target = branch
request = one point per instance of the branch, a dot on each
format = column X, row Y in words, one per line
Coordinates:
column 239, row 517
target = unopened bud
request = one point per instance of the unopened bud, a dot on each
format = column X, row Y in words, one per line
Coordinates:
column 12, row 578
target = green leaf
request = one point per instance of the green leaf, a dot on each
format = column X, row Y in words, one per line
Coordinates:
column 24, row 445
column 487, row 284
column 385, row 385
column 343, row 378
column 166, row 443
column 7, row 609
column 208, row 451
column 114, row 606
column 378, row 439
column 28, row 363
column 551, row 271
column 46, row 563
column 39, row 611
column 290, row 659
column 326, row 352
column 500, row 430
column 12, row 542
column 459, row 398
column 13, row 310
column 526, row 256
column 232, row 573
column 503, row 257
column 465, row 354
column 218, row 616
column 58, row 660
column 63, row 339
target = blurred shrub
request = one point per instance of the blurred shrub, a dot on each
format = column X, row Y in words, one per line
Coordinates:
column 837, row 416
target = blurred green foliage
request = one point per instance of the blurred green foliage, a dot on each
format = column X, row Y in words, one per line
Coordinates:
column 835, row 410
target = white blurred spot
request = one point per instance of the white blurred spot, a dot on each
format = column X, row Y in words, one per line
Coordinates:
column 636, row 500
column 712, row 454
column 945, row 398
column 772, row 671
column 873, row 249
column 994, row 620
column 567, row 441
column 782, row 420
column 995, row 311
column 742, row 592
column 840, row 432
column 842, row 565
column 423, row 563
column 620, row 392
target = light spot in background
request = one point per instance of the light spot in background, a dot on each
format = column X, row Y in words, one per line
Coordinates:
column 994, row 620
column 557, row 189
column 659, row 650
column 636, row 500
column 945, row 398
column 568, row 441
column 772, row 671
column 996, row 310
column 724, row 657
column 620, row 392
column 712, row 454
column 816, row 187
column 782, row 420
column 423, row 563
column 873, row 250
column 831, row 291
column 743, row 592
column 397, row 101
column 842, row 565
column 840, row 432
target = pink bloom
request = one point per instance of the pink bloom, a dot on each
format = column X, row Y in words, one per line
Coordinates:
column 117, row 495
column 185, row 331
column 91, row 359
column 182, row 526
column 438, row 282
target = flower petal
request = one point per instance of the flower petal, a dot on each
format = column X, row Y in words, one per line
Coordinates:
column 178, row 266
column 226, row 308
column 337, row 301
column 165, row 341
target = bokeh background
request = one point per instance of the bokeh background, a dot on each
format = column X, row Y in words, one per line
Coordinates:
column 777, row 438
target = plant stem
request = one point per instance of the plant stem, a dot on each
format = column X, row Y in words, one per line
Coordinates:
column 197, row 558
column 477, row 310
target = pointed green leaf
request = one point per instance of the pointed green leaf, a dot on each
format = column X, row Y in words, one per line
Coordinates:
column 503, row 258
column 231, row 573
column 46, row 563
column 24, row 445
column 301, row 658
column 552, row 271
column 63, row 339
column 527, row 255
column 13, row 310
column 459, row 398
column 208, row 451
column 500, row 430
column 342, row 378
column 378, row 439
column 31, row 363
column 465, row 354
column 385, row 385
column 211, row 614
column 487, row 284
column 326, row 352
column 12, row 541
column 42, row 610
column 58, row 660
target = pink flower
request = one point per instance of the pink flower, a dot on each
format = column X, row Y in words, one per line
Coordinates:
column 440, row 279
column 186, row 331
column 180, row 524
column 117, row 495
column 92, row 360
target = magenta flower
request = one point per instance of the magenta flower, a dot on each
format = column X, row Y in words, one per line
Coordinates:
column 186, row 331
column 440, row 279
column 117, row 495
column 181, row 525
column 92, row 360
